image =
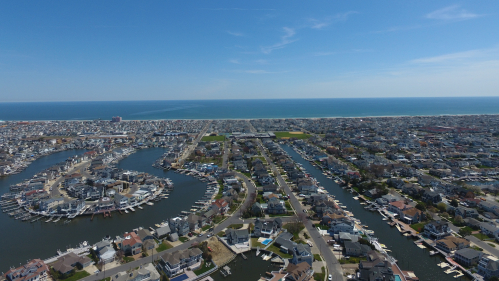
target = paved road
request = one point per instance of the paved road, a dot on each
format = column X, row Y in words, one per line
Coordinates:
column 225, row 162
column 55, row 186
column 234, row 219
column 334, row 267
column 194, row 144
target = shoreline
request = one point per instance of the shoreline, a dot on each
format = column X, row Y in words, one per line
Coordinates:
column 262, row 118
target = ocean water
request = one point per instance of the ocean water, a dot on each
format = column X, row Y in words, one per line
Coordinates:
column 248, row 109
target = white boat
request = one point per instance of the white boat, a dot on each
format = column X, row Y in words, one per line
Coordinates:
column 140, row 207
column 126, row 211
column 150, row 203
column 131, row 208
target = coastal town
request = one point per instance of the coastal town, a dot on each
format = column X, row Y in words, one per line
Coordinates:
column 310, row 199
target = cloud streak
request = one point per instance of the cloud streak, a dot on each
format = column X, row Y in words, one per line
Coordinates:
column 320, row 24
column 285, row 40
column 452, row 57
column 454, row 12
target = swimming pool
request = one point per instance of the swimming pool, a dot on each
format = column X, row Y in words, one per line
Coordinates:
column 397, row 278
column 266, row 241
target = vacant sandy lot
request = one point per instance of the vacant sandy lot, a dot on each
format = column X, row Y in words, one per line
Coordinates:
column 296, row 133
column 221, row 254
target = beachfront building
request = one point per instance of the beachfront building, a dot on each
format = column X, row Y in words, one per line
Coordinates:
column 174, row 263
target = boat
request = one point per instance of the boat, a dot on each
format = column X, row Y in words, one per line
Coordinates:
column 150, row 203
column 131, row 208
column 126, row 211
column 140, row 207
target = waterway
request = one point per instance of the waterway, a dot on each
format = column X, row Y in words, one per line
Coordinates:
column 250, row 269
column 23, row 240
column 409, row 256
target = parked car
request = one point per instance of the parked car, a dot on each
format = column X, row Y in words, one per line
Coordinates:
column 330, row 277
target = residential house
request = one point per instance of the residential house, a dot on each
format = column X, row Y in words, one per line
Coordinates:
column 451, row 243
column 105, row 251
column 237, row 236
column 467, row 256
column 490, row 230
column 267, row 228
column 275, row 206
column 437, row 229
column 34, row 270
column 146, row 272
column 130, row 243
column 355, row 249
column 375, row 268
column 466, row 212
column 341, row 225
column 162, row 232
column 65, row 264
column 412, row 215
column 488, row 266
column 175, row 262
column 299, row 272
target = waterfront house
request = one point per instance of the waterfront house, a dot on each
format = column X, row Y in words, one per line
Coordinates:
column 266, row 228
column 298, row 272
column 488, row 266
column 34, row 270
column 222, row 205
column 398, row 207
column 130, row 243
column 65, row 264
column 355, row 249
column 237, row 236
column 375, row 268
column 467, row 256
column 145, row 234
column 341, row 225
column 105, row 251
column 412, row 215
column 437, row 229
column 145, row 272
column 175, row 262
column 302, row 253
column 120, row 201
column 50, row 205
column 451, row 243
column 162, row 232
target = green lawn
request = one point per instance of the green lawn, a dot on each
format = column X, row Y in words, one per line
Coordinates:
column 255, row 243
column 77, row 276
column 288, row 206
column 317, row 257
column 481, row 236
column 128, row 259
column 321, row 226
column 221, row 234
column 204, row 268
column 106, row 279
column 418, row 226
column 281, row 215
column 235, row 226
column 277, row 251
column 206, row 227
column 183, row 239
column 164, row 246
column 281, row 135
column 320, row 276
column 213, row 138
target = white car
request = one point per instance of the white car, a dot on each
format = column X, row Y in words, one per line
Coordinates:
column 330, row 277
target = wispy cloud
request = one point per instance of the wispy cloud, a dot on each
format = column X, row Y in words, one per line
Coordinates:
column 451, row 57
column 285, row 40
column 235, row 61
column 454, row 12
column 235, row 33
column 261, row 61
column 259, row 71
column 236, row 9
column 320, row 24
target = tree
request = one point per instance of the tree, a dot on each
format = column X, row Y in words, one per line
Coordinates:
column 441, row 207
column 459, row 220
column 421, row 206
column 454, row 203
column 465, row 231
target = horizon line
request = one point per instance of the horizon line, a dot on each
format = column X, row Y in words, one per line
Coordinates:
column 155, row 100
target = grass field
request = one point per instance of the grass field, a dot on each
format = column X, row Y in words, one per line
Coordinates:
column 277, row 251
column 213, row 138
column 204, row 268
column 164, row 246
column 288, row 135
column 77, row 276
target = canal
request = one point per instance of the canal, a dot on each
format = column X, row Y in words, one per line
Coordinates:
column 250, row 269
column 409, row 256
column 23, row 240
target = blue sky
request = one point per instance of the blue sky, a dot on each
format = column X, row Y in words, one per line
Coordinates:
column 161, row 50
